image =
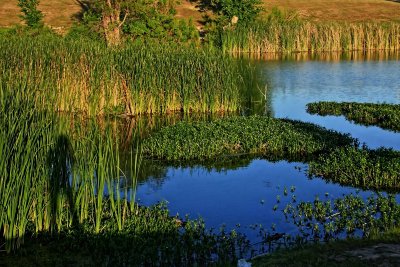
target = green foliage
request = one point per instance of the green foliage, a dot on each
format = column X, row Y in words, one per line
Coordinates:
column 31, row 15
column 386, row 116
column 238, row 135
column 145, row 19
column 246, row 10
column 371, row 169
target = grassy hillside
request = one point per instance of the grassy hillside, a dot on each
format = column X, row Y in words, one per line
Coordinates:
column 57, row 13
column 341, row 10
column 60, row 13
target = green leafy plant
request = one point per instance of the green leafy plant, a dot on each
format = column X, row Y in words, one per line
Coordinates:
column 245, row 10
column 31, row 15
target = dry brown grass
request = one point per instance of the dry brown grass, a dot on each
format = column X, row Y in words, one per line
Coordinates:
column 340, row 10
column 59, row 13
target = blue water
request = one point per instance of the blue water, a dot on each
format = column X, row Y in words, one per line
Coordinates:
column 247, row 195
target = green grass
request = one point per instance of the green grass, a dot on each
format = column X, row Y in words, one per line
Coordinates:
column 84, row 76
column 386, row 116
column 242, row 135
column 363, row 168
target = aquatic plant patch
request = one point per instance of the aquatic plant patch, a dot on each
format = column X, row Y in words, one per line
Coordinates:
column 369, row 223
column 386, row 116
column 366, row 168
column 242, row 135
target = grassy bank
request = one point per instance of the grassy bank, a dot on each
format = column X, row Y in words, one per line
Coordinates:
column 242, row 135
column 294, row 35
column 86, row 77
column 386, row 116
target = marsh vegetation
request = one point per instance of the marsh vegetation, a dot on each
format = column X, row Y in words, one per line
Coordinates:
column 70, row 179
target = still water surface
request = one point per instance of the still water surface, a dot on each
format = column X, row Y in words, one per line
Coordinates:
column 246, row 195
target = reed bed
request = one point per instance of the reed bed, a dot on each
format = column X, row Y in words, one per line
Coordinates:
column 242, row 135
column 87, row 77
column 386, row 116
column 52, row 179
column 303, row 36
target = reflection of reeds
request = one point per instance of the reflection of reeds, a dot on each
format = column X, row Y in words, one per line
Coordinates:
column 325, row 56
column 296, row 36
column 87, row 77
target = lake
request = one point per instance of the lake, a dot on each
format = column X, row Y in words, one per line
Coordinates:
column 245, row 194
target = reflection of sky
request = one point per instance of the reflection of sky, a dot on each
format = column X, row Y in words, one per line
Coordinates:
column 235, row 196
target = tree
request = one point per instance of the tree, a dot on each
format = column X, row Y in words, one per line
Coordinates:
column 136, row 19
column 31, row 15
column 111, row 20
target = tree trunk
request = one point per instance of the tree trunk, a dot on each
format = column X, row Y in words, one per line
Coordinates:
column 112, row 22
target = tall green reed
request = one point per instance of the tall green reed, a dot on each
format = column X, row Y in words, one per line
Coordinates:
column 54, row 176
column 304, row 36
column 85, row 76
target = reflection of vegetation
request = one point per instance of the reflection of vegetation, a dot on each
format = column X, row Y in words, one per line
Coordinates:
column 386, row 116
column 372, row 169
column 261, row 135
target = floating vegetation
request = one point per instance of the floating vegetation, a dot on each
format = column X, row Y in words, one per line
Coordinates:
column 323, row 224
column 294, row 35
column 366, row 168
column 87, row 77
column 348, row 216
column 242, row 135
column 386, row 116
